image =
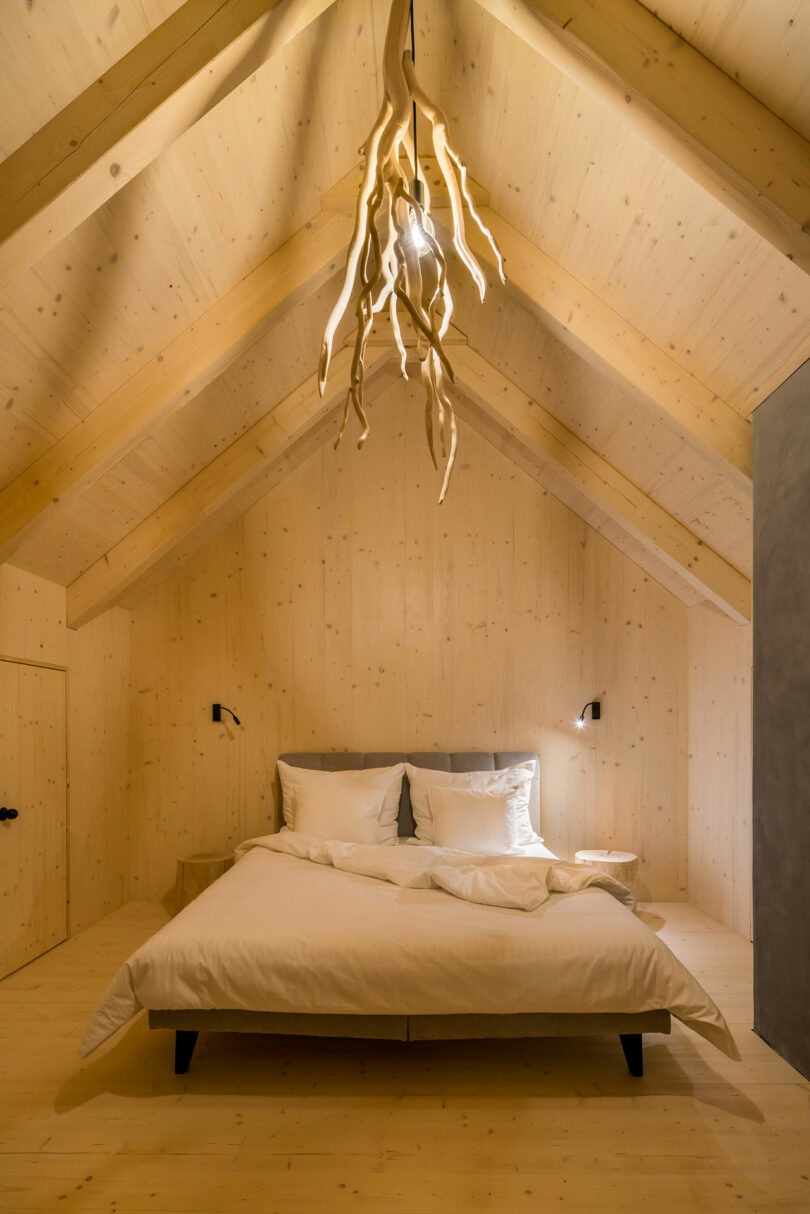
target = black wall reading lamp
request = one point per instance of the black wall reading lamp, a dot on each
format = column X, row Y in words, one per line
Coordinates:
column 217, row 711
column 596, row 712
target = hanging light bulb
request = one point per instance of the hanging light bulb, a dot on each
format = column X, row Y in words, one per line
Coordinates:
column 418, row 234
column 418, row 238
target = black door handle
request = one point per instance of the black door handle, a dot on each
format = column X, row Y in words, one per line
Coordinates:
column 11, row 814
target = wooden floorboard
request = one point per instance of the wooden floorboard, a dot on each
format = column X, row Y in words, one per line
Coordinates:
column 282, row 1125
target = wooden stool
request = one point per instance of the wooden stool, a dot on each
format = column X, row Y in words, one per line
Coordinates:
column 196, row 872
column 623, row 865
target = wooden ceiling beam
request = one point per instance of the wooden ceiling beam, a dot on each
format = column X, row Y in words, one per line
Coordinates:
column 574, row 468
column 521, row 427
column 682, row 104
column 123, row 121
column 249, row 466
column 171, row 378
column 609, row 343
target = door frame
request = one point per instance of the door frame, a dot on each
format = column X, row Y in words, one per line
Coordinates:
column 66, row 670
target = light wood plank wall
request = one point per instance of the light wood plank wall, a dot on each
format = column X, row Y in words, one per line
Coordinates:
column 347, row 610
column 720, row 660
column 32, row 628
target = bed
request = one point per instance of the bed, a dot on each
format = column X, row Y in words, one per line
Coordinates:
column 307, row 936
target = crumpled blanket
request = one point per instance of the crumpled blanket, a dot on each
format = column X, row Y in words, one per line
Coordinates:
column 515, row 882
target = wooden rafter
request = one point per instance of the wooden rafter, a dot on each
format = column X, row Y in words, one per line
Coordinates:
column 190, row 362
column 610, row 344
column 577, row 465
column 599, row 335
column 250, row 465
column 719, row 134
column 567, row 466
column 123, row 121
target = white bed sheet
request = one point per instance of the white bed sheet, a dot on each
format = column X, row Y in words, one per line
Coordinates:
column 284, row 934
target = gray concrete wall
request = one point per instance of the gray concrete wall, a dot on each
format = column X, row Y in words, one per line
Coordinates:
column 782, row 720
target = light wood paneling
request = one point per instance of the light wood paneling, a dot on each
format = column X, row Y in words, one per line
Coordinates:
column 640, row 656
column 79, row 533
column 172, row 378
column 70, row 43
column 607, row 342
column 171, row 243
column 667, row 468
column 681, row 273
column 572, row 462
column 138, row 109
column 33, row 781
column 370, row 1127
column 562, row 458
column 180, row 446
column 705, row 123
column 764, row 47
column 720, row 660
column 98, row 672
column 347, row 610
column 32, row 618
column 33, row 628
column 614, row 212
column 248, row 462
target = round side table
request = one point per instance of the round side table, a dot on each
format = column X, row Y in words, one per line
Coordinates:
column 196, row 872
column 623, row 865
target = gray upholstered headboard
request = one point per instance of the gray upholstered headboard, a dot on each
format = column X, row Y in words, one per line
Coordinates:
column 459, row 760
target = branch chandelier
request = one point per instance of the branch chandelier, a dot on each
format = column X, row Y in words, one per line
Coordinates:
column 401, row 261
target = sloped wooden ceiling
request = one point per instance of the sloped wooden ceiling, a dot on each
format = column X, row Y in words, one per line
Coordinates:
column 163, row 307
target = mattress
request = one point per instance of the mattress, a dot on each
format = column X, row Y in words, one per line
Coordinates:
column 281, row 932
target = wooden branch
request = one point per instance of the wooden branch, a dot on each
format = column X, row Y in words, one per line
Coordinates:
column 600, row 336
column 343, row 195
column 242, row 468
column 381, row 335
column 190, row 362
column 703, row 121
column 610, row 344
column 123, row 121
column 404, row 262
column 574, row 464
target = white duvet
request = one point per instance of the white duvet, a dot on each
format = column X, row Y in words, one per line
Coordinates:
column 305, row 925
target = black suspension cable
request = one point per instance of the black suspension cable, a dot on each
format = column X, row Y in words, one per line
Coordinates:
column 416, row 190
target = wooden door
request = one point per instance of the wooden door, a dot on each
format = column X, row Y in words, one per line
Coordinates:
column 33, row 781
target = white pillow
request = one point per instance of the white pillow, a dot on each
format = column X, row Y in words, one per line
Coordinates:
column 476, row 821
column 349, row 814
column 422, row 778
column 321, row 795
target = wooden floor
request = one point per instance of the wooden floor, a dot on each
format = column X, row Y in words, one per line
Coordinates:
column 281, row 1125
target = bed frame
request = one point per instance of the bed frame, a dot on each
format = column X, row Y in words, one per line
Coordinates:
column 629, row 1025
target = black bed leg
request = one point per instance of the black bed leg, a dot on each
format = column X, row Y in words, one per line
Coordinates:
column 184, row 1043
column 631, row 1044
